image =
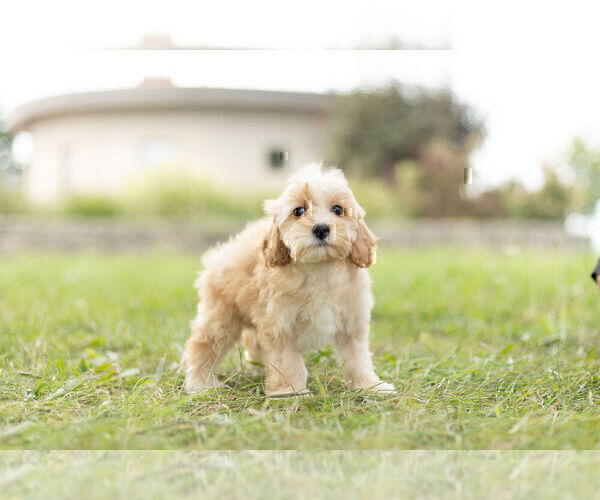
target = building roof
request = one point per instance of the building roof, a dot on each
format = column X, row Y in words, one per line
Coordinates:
column 167, row 98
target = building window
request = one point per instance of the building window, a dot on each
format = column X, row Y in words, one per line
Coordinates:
column 157, row 152
column 277, row 158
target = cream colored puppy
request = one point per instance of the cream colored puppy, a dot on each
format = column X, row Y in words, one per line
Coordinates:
column 289, row 284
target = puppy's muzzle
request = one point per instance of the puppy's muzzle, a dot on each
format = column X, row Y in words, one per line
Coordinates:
column 321, row 231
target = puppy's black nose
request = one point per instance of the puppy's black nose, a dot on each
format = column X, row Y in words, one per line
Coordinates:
column 321, row 231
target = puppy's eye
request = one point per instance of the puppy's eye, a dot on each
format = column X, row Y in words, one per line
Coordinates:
column 299, row 212
column 337, row 210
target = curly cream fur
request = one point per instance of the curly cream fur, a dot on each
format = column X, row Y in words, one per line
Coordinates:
column 282, row 292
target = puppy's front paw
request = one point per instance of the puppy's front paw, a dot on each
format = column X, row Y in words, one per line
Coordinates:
column 194, row 385
column 384, row 387
column 287, row 393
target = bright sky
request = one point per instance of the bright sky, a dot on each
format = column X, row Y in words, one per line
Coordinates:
column 529, row 68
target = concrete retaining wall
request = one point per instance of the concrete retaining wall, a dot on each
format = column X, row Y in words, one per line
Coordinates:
column 19, row 234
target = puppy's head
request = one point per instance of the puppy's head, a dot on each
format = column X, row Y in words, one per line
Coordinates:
column 315, row 219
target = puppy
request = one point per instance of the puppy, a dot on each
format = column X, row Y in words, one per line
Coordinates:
column 290, row 283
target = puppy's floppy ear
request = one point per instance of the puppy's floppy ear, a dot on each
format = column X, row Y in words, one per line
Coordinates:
column 274, row 249
column 363, row 249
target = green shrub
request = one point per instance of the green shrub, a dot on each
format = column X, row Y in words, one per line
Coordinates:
column 92, row 206
column 378, row 199
column 12, row 202
column 170, row 194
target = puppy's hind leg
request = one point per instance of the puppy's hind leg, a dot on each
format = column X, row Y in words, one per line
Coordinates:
column 210, row 340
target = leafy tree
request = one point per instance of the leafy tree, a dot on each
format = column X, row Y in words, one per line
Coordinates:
column 374, row 131
column 585, row 163
column 551, row 201
column 11, row 199
column 5, row 148
column 441, row 183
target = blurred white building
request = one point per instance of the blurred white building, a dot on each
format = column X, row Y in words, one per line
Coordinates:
column 98, row 142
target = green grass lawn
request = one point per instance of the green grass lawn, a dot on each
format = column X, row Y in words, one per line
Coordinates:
column 487, row 350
